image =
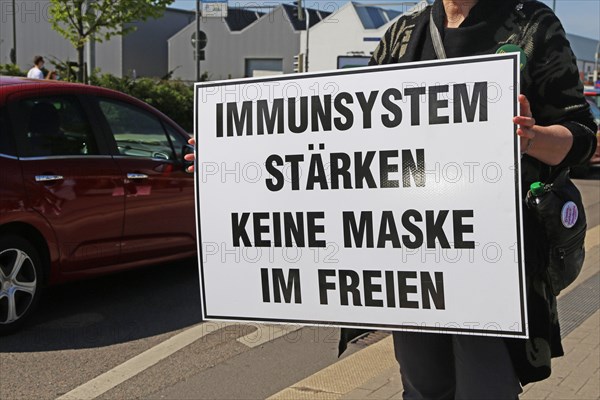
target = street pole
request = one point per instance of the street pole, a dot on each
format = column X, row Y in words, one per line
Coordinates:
column 300, row 10
column 14, row 21
column 307, row 39
column 596, row 63
column 198, row 4
column 554, row 5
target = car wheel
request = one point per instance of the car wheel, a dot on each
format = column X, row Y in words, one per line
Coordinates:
column 20, row 282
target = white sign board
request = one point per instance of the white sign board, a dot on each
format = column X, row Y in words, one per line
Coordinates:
column 381, row 197
column 214, row 8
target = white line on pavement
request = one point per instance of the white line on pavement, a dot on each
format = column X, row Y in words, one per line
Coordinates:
column 103, row 383
column 130, row 368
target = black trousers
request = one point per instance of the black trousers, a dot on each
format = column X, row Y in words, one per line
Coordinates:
column 447, row 367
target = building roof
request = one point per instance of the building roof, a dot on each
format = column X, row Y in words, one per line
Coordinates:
column 584, row 48
column 374, row 17
column 239, row 18
column 316, row 16
column 180, row 11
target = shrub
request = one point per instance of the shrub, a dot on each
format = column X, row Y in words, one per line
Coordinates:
column 11, row 70
column 172, row 97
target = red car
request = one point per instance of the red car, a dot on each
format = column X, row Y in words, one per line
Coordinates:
column 91, row 181
column 593, row 98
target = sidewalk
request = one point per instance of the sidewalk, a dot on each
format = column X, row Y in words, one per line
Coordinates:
column 372, row 373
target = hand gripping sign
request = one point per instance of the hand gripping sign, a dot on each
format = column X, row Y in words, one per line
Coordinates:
column 383, row 197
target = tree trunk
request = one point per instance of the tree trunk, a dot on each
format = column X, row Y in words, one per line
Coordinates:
column 80, row 57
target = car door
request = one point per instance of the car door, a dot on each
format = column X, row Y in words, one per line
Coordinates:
column 69, row 177
column 159, row 203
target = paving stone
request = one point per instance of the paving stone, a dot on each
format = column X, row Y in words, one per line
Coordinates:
column 380, row 380
column 357, row 394
column 392, row 388
column 591, row 389
column 535, row 394
column 576, row 379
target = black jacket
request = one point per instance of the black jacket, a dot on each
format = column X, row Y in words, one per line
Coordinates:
column 550, row 80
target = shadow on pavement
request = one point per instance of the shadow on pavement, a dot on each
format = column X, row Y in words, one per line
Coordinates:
column 113, row 309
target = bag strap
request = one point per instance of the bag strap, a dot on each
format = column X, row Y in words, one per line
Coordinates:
column 436, row 37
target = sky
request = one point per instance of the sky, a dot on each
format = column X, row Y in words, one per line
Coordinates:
column 579, row 17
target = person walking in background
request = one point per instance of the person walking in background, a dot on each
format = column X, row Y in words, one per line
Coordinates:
column 36, row 71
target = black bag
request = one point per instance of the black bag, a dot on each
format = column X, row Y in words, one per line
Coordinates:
column 558, row 207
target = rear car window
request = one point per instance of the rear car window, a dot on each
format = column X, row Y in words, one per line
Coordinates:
column 53, row 126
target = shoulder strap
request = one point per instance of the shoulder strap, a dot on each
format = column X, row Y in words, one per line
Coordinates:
column 436, row 37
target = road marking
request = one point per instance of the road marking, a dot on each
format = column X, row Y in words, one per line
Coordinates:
column 121, row 373
column 266, row 333
column 132, row 367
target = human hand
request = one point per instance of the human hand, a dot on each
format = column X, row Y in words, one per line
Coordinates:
column 526, row 124
column 552, row 143
column 191, row 157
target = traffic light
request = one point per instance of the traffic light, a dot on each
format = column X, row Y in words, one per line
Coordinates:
column 299, row 63
column 299, row 11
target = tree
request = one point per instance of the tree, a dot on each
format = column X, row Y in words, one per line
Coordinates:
column 80, row 21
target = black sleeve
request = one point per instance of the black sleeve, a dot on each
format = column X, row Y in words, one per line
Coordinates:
column 382, row 53
column 556, row 91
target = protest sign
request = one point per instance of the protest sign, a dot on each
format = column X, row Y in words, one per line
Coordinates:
column 384, row 197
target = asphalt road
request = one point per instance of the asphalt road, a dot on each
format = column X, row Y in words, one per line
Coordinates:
column 85, row 329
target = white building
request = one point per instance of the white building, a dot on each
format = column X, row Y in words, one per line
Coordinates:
column 349, row 36
column 245, row 43
column 585, row 51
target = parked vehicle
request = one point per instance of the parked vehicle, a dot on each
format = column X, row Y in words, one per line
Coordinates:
column 593, row 98
column 593, row 94
column 91, row 182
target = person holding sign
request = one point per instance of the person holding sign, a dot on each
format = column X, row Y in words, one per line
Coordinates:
column 556, row 131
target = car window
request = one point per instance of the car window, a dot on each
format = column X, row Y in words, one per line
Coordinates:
column 177, row 140
column 53, row 126
column 137, row 132
column 6, row 143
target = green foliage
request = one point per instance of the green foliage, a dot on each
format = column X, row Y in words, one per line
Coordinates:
column 172, row 97
column 81, row 20
column 11, row 70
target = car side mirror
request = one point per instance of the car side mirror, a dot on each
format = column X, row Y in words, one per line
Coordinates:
column 187, row 149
